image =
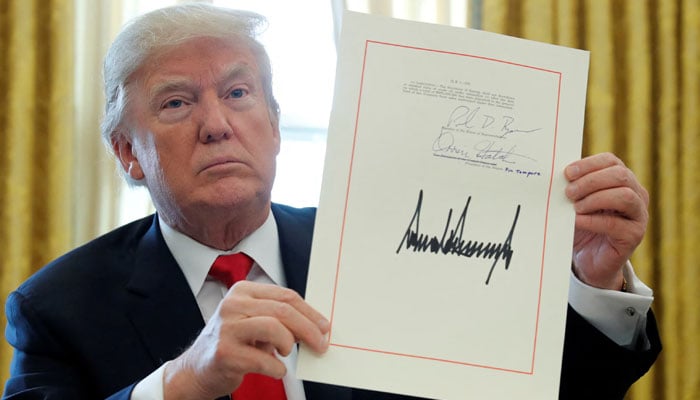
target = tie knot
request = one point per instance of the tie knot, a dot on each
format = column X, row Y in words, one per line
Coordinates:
column 231, row 268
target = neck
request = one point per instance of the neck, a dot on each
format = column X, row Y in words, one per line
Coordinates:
column 221, row 231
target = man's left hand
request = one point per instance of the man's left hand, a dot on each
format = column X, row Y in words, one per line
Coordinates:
column 611, row 218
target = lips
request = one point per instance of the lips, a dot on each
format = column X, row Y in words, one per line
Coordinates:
column 219, row 162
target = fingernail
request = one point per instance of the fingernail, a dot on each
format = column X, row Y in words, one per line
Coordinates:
column 572, row 171
column 324, row 325
column 323, row 345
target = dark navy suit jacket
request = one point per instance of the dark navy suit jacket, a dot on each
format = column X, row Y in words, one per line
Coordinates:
column 97, row 320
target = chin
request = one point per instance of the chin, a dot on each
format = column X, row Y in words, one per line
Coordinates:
column 238, row 197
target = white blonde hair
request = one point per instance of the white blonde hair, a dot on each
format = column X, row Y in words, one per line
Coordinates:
column 151, row 33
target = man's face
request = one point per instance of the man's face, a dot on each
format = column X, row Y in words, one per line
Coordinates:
column 200, row 132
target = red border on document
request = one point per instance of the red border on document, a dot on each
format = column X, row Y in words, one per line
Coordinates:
column 546, row 219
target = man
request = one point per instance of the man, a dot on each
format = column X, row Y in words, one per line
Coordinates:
column 190, row 115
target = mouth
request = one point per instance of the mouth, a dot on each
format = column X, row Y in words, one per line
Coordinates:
column 218, row 164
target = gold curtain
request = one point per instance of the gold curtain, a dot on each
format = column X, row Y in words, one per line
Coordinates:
column 36, row 126
column 644, row 105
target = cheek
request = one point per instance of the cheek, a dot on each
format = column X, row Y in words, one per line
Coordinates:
column 158, row 163
column 266, row 160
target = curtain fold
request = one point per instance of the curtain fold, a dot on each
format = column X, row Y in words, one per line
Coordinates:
column 36, row 126
column 643, row 104
column 688, row 281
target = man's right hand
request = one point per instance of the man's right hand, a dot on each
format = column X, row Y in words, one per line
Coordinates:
column 251, row 323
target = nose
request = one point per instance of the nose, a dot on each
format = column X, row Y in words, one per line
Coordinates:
column 214, row 125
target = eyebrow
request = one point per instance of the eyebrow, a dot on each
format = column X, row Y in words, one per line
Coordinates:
column 169, row 85
column 237, row 71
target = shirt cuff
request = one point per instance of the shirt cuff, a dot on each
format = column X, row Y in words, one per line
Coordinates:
column 621, row 316
column 151, row 387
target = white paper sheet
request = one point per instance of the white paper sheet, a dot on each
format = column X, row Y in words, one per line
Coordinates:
column 443, row 238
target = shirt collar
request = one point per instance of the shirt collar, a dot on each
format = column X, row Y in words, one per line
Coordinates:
column 195, row 259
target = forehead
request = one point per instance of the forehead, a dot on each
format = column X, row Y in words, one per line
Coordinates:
column 200, row 60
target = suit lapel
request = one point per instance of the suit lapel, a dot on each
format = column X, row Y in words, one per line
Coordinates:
column 295, row 231
column 162, row 307
column 164, row 312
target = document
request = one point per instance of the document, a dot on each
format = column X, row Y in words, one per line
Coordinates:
column 443, row 240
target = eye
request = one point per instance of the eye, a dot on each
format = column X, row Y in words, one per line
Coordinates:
column 173, row 104
column 238, row 93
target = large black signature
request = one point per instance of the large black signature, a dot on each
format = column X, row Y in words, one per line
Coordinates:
column 452, row 242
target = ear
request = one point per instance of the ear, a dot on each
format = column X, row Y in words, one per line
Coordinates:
column 124, row 150
column 276, row 134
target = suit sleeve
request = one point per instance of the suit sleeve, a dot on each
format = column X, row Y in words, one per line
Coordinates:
column 595, row 367
column 41, row 367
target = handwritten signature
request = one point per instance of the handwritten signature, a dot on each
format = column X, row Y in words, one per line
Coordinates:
column 452, row 242
column 467, row 118
column 482, row 151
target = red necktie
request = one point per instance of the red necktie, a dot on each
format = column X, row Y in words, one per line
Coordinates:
column 230, row 269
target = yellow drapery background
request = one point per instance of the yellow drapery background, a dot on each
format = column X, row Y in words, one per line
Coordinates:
column 643, row 104
column 36, row 148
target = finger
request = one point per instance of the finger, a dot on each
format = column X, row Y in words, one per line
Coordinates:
column 285, row 305
column 266, row 347
column 590, row 164
column 265, row 333
column 610, row 177
column 289, row 296
column 623, row 226
column 260, row 359
column 620, row 201
column 624, row 234
column 299, row 326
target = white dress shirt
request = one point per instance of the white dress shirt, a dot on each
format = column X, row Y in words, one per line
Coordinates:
column 619, row 315
column 194, row 260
